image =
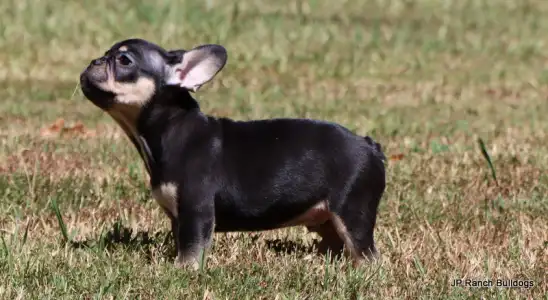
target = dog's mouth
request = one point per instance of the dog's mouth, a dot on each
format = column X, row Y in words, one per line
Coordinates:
column 96, row 95
column 91, row 80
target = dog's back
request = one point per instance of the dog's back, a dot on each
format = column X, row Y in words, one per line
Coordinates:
column 276, row 169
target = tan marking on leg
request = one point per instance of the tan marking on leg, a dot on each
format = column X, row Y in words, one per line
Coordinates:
column 166, row 196
column 330, row 238
column 316, row 215
column 181, row 263
column 347, row 239
column 189, row 259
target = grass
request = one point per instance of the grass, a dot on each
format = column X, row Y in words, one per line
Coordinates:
column 425, row 78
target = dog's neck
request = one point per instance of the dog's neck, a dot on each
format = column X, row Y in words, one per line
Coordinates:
column 163, row 112
column 172, row 105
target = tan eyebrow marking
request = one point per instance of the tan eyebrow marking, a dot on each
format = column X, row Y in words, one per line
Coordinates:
column 123, row 49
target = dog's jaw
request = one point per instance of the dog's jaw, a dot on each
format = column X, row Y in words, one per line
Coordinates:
column 98, row 97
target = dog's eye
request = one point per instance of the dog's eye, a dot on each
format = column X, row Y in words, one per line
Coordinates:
column 123, row 59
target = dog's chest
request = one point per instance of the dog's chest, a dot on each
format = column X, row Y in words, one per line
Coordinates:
column 166, row 196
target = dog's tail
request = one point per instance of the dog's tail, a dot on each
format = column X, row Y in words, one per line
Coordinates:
column 376, row 146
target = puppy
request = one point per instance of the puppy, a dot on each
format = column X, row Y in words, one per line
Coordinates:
column 216, row 174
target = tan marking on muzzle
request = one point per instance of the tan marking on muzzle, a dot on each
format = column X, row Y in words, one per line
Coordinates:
column 133, row 93
column 129, row 99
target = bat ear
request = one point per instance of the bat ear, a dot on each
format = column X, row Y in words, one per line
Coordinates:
column 193, row 68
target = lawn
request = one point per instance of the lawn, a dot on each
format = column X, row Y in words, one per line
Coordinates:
column 428, row 79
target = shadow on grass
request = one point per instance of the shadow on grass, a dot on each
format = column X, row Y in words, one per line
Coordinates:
column 288, row 247
column 140, row 241
column 144, row 242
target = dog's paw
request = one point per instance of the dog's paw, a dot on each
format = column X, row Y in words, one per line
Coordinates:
column 190, row 264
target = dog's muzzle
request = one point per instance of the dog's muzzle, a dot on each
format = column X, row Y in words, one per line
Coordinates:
column 94, row 74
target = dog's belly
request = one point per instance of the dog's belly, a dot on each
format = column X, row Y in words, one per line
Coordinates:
column 232, row 219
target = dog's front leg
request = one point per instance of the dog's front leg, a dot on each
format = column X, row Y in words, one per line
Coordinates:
column 195, row 226
column 175, row 233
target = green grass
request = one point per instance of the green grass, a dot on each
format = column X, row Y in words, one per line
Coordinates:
column 425, row 78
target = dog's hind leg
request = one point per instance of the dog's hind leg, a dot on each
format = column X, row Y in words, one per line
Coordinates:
column 331, row 242
column 354, row 221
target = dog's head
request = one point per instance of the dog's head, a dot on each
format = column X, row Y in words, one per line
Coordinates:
column 133, row 72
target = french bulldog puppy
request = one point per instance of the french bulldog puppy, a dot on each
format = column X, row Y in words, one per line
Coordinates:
column 214, row 174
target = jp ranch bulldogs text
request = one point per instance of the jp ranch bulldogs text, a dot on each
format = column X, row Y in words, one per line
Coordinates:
column 489, row 283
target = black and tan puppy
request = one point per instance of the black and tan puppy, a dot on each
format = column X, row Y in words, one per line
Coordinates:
column 215, row 174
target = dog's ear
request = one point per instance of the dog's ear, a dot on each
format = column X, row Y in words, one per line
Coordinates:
column 193, row 68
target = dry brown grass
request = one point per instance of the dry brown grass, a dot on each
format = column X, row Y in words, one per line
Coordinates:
column 425, row 78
